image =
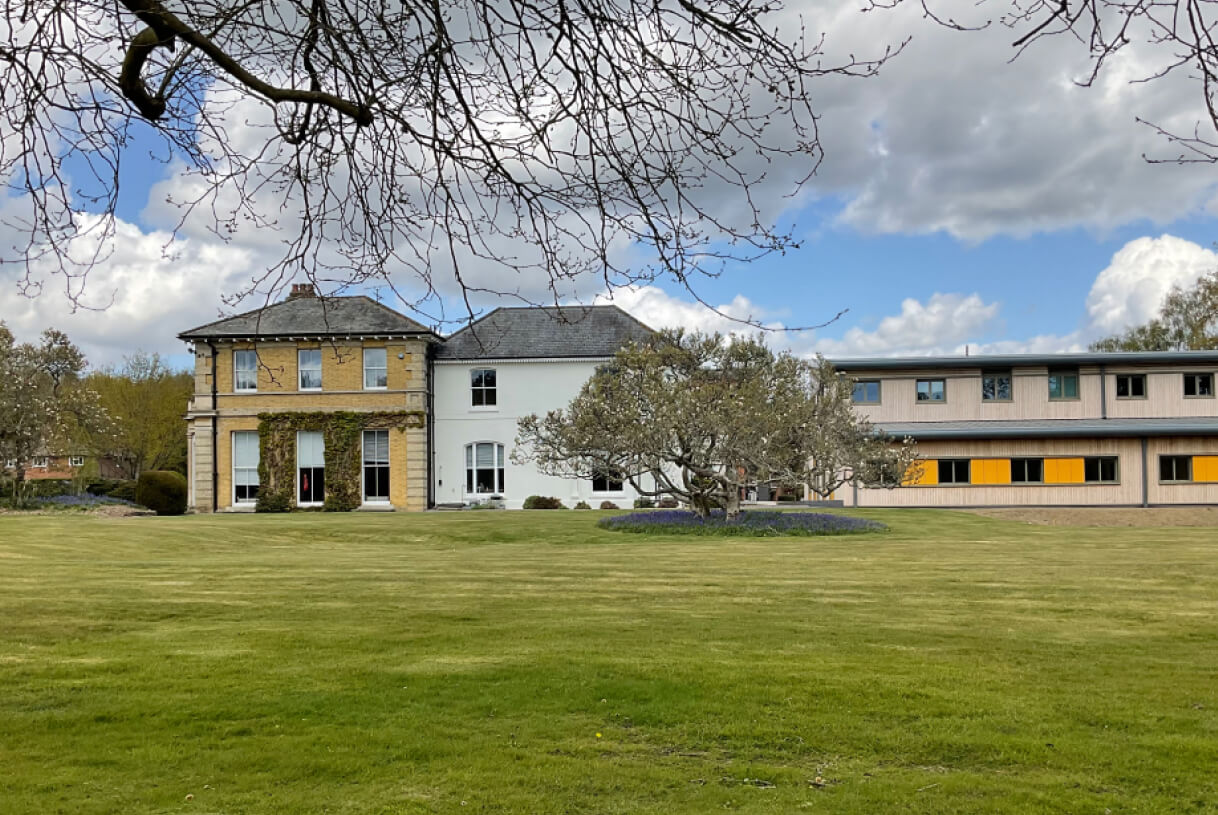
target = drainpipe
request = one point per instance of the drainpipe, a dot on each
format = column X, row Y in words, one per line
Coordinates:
column 1103, row 392
column 428, row 378
column 215, row 433
column 1145, row 476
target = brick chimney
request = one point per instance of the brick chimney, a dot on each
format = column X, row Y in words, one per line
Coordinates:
column 302, row 290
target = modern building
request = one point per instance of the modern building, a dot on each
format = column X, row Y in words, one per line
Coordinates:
column 1115, row 429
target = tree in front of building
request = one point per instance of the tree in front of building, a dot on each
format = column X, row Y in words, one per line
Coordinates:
column 147, row 402
column 700, row 417
column 44, row 404
column 1187, row 321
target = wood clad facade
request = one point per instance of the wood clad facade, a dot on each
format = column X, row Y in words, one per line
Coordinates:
column 1081, row 429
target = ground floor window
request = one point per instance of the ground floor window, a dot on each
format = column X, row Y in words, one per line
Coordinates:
column 1027, row 470
column 245, row 466
column 1175, row 468
column 1100, row 469
column 310, row 468
column 954, row 471
column 607, row 481
column 376, row 466
column 484, row 468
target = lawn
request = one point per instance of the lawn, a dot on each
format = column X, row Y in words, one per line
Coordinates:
column 497, row 662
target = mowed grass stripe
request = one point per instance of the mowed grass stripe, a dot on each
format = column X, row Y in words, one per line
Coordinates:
column 466, row 662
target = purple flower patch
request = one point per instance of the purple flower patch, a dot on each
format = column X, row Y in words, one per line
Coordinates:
column 748, row 524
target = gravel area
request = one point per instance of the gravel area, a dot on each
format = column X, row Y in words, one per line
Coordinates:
column 1106, row 516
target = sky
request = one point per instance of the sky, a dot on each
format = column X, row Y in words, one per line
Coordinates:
column 966, row 201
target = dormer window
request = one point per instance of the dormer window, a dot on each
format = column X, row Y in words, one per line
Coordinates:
column 309, row 365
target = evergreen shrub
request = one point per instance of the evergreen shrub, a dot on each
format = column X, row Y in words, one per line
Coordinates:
column 162, row 491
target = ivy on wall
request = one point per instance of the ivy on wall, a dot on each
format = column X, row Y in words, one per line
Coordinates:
column 341, row 433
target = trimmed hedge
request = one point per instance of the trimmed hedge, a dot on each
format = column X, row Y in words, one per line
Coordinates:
column 583, row 505
column 609, row 505
column 542, row 502
column 750, row 524
column 643, row 503
column 162, row 491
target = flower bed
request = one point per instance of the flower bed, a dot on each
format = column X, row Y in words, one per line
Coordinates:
column 86, row 501
column 749, row 524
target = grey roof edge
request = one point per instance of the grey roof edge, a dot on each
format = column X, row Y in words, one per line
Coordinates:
column 1063, row 428
column 1016, row 360
column 200, row 332
column 574, row 307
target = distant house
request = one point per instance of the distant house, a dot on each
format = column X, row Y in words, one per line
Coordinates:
column 63, row 467
column 1095, row 429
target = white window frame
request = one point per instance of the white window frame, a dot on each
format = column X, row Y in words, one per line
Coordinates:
column 233, row 460
column 469, row 484
column 76, row 461
column 244, row 353
column 363, row 467
column 483, row 389
column 300, row 368
column 383, row 368
column 39, row 462
column 296, row 471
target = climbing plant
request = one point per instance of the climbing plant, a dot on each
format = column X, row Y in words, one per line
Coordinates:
column 341, row 432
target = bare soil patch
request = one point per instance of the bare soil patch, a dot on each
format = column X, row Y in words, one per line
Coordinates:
column 1106, row 516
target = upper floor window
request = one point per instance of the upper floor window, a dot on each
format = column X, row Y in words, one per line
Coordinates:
column 76, row 461
column 245, row 371
column 376, row 369
column 932, row 390
column 484, row 468
column 1198, row 384
column 607, row 481
column 483, row 391
column 954, row 471
column 308, row 362
column 866, row 392
column 1131, row 386
column 1175, row 468
column 996, row 386
column 40, row 461
column 1063, row 384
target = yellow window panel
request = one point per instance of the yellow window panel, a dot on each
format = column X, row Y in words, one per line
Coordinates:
column 1064, row 471
column 1205, row 468
column 994, row 470
column 922, row 473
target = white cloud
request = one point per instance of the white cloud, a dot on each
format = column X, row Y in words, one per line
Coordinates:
column 658, row 309
column 943, row 323
column 1131, row 289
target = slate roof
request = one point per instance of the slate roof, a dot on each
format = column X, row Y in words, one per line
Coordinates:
column 545, row 332
column 312, row 317
column 1053, row 428
column 1016, row 360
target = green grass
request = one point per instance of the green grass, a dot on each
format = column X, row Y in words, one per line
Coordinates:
column 464, row 663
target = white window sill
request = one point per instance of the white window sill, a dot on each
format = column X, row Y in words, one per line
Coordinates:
column 376, row 506
column 491, row 409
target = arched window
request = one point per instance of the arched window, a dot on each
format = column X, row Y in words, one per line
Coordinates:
column 483, row 468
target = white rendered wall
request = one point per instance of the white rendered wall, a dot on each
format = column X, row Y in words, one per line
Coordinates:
column 523, row 387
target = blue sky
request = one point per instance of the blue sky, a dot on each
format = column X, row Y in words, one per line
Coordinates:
column 963, row 200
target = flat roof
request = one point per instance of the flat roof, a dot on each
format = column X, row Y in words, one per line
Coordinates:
column 1052, row 428
column 1018, row 360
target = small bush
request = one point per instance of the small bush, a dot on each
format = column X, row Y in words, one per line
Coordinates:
column 273, row 501
column 668, row 502
column 609, row 505
column 542, row 502
column 583, row 505
column 162, row 491
column 786, row 497
column 643, row 503
column 749, row 524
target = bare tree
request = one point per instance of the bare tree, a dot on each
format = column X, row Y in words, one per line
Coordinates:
column 425, row 135
column 700, row 417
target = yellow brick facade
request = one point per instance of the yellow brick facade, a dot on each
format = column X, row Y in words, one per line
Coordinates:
column 277, row 391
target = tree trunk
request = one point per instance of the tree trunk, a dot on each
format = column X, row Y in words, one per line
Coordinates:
column 732, row 504
column 699, row 505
